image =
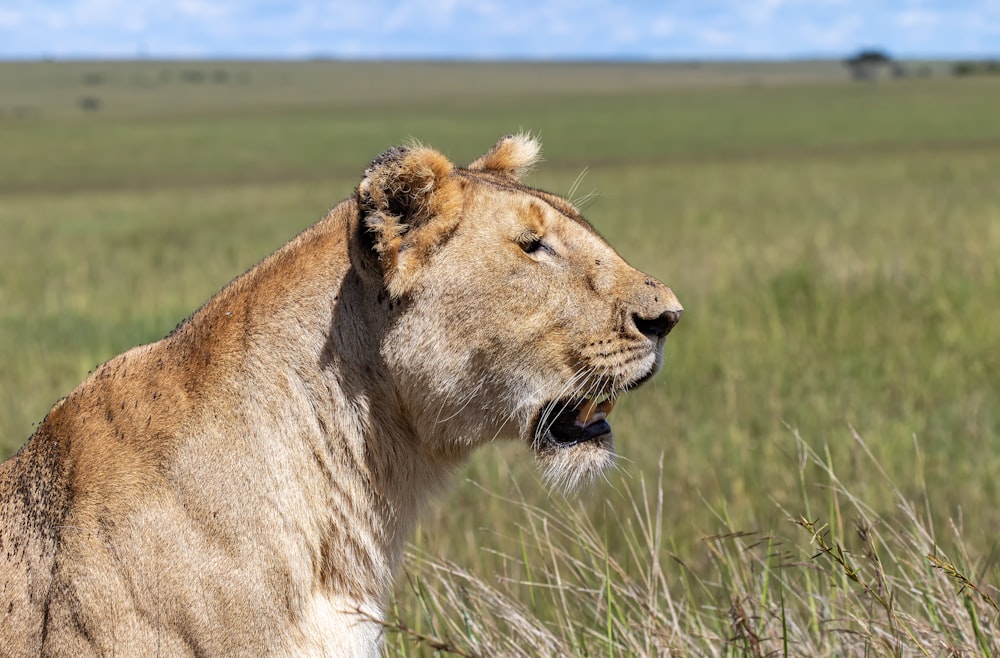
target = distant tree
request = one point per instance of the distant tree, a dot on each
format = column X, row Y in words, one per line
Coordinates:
column 868, row 64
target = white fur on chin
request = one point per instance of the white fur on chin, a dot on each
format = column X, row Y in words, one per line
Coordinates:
column 568, row 469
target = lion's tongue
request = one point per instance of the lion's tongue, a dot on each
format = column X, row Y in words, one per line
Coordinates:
column 592, row 411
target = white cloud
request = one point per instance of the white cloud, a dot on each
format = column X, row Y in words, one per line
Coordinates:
column 918, row 18
column 714, row 37
column 203, row 9
column 761, row 11
column 662, row 27
column 10, row 18
column 839, row 35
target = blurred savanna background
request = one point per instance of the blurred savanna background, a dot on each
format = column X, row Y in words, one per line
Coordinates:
column 813, row 472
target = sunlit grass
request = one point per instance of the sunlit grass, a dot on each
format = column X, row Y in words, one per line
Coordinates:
column 831, row 577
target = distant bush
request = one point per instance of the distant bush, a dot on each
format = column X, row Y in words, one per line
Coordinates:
column 963, row 68
column 196, row 76
column 193, row 76
column 966, row 68
column 94, row 78
column 89, row 103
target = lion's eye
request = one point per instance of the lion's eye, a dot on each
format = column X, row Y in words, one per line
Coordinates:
column 532, row 244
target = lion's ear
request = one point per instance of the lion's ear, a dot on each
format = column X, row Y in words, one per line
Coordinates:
column 512, row 156
column 410, row 203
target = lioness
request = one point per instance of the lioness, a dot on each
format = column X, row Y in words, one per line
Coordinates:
column 245, row 485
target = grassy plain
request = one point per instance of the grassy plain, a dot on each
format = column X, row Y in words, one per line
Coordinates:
column 836, row 247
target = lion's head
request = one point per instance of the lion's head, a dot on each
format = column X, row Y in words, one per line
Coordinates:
column 510, row 316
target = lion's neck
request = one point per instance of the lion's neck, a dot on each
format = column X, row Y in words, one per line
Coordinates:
column 367, row 457
column 344, row 461
column 378, row 476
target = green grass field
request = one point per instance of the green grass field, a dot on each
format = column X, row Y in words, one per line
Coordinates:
column 836, row 247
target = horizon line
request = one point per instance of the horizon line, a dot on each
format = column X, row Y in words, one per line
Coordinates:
column 513, row 59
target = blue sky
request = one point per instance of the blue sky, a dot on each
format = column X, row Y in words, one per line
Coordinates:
column 497, row 28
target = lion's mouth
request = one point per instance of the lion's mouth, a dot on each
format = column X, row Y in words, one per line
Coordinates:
column 567, row 423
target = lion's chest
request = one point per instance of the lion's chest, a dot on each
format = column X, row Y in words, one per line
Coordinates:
column 340, row 626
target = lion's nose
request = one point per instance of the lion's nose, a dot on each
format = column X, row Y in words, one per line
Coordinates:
column 658, row 327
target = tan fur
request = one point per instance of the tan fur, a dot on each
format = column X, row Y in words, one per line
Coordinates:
column 245, row 485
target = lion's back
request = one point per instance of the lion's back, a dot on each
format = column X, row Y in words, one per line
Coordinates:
column 33, row 506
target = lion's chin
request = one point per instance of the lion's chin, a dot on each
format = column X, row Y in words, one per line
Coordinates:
column 568, row 468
